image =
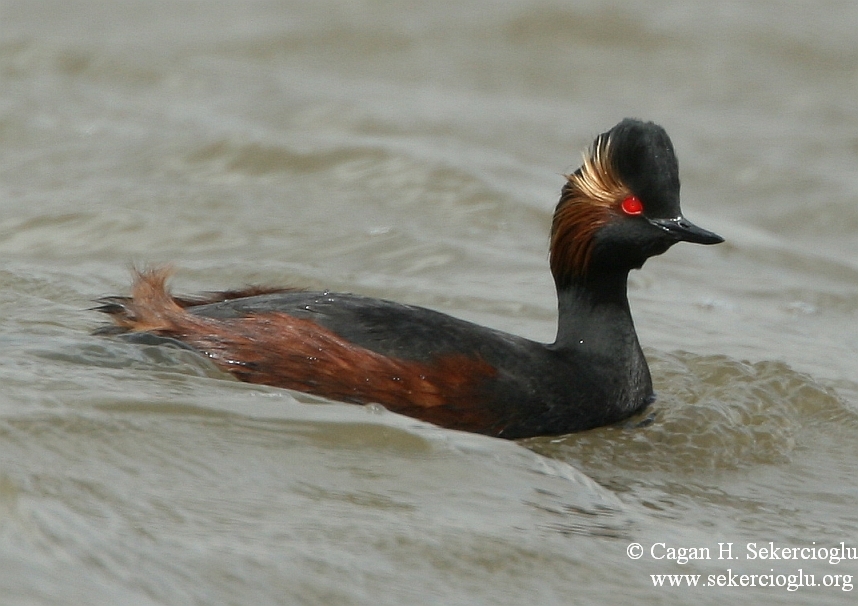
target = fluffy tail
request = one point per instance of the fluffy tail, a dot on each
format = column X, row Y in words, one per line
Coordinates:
column 150, row 308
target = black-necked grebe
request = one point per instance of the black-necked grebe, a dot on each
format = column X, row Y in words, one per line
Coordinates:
column 617, row 210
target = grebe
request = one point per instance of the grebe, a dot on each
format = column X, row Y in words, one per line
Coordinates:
column 617, row 210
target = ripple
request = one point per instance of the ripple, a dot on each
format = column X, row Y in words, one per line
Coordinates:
column 257, row 159
column 25, row 56
column 333, row 39
column 712, row 412
column 578, row 27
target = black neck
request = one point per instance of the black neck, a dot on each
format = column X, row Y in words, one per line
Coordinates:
column 594, row 314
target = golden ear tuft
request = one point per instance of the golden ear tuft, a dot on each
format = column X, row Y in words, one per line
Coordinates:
column 597, row 180
column 585, row 206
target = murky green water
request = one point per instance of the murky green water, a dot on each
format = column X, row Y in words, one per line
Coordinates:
column 414, row 151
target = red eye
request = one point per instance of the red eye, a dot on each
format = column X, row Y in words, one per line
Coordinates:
column 632, row 206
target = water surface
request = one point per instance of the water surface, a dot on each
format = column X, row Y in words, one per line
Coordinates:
column 415, row 151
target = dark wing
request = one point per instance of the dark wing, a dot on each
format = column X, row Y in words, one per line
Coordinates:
column 393, row 329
